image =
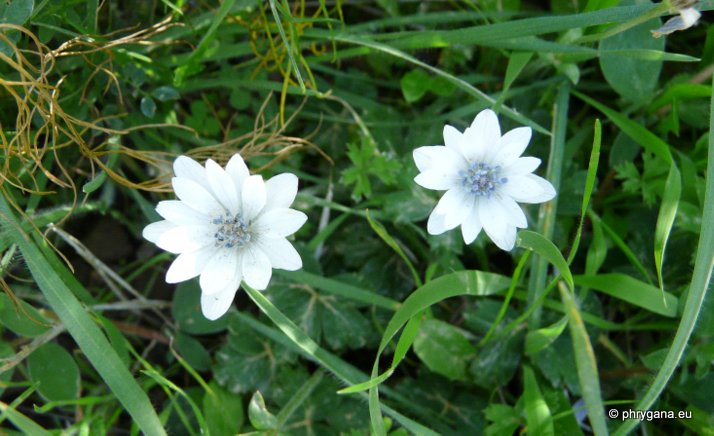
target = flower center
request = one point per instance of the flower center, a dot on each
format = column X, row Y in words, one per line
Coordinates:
column 482, row 179
column 231, row 231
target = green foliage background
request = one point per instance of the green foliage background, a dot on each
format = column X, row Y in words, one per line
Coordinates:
column 602, row 307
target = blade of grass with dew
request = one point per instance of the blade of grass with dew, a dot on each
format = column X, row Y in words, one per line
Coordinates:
column 584, row 356
column 665, row 220
column 701, row 276
column 307, row 345
column 53, row 283
column 633, row 291
column 547, row 211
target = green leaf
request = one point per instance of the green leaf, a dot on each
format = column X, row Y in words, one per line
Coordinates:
column 222, row 410
column 414, row 85
column 443, row 348
column 476, row 283
column 259, row 415
column 505, row 419
column 507, row 351
column 193, row 351
column 632, row 78
column 516, row 62
column 633, row 291
column 538, row 416
column 148, row 106
column 540, row 339
column 166, row 93
column 665, row 218
column 55, row 281
column 542, row 246
column 16, row 11
column 186, row 311
column 56, row 372
column 23, row 319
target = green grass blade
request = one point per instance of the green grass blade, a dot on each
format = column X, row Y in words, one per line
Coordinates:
column 665, row 218
column 286, row 43
column 81, row 326
column 542, row 246
column 316, row 353
column 585, row 363
column 703, row 265
column 387, row 238
column 637, row 132
column 633, row 291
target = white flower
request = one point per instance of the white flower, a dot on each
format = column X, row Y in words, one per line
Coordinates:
column 687, row 18
column 483, row 176
column 226, row 227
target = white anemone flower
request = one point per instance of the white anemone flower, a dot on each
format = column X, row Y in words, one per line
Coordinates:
column 227, row 227
column 484, row 177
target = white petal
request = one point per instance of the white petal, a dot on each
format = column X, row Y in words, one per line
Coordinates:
column 482, row 136
column 187, row 168
column 461, row 212
column 219, row 272
column 281, row 253
column 280, row 191
column 528, row 188
column 222, row 186
column 522, row 165
column 452, row 138
column 189, row 265
column 179, row 213
column 438, row 179
column 237, row 169
column 254, row 197
column 438, row 157
column 280, row 222
column 256, row 268
column 216, row 305
column 690, row 16
column 511, row 146
column 196, row 196
column 471, row 226
column 496, row 225
column 514, row 212
column 435, row 224
column 452, row 200
column 154, row 231
column 184, row 239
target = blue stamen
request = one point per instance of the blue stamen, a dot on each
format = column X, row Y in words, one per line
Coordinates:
column 481, row 179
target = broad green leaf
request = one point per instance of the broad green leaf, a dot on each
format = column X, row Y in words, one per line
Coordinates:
column 632, row 78
column 16, row 11
column 443, row 348
column 633, row 291
column 665, row 218
column 5, row 352
column 23, row 319
column 414, row 85
column 539, row 339
column 193, row 351
column 538, row 415
column 223, row 411
column 186, row 311
column 56, row 372
column 259, row 415
column 507, row 351
column 55, row 281
column 504, row 419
